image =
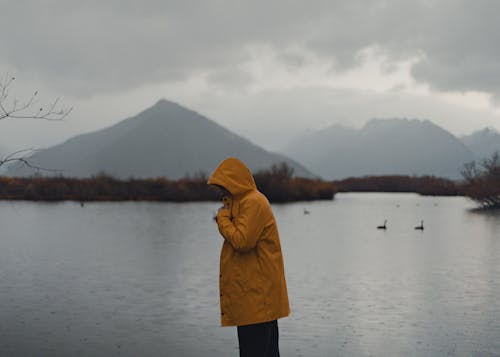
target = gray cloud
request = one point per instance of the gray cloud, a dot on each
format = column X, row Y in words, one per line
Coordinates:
column 90, row 47
column 273, row 117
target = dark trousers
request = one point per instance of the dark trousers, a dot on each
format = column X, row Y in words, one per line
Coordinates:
column 259, row 340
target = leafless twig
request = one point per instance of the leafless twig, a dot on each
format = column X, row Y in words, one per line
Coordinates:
column 18, row 110
column 23, row 110
column 21, row 156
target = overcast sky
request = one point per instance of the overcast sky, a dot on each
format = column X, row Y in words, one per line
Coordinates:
column 267, row 70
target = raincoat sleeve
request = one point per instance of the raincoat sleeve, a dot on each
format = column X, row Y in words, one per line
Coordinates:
column 244, row 232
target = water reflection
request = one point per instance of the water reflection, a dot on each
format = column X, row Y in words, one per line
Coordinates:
column 141, row 278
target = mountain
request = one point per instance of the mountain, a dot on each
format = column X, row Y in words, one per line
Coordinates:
column 483, row 143
column 164, row 140
column 381, row 147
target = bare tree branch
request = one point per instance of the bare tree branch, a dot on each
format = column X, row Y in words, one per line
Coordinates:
column 483, row 184
column 21, row 156
column 21, row 110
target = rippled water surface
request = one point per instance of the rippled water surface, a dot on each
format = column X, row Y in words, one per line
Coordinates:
column 141, row 279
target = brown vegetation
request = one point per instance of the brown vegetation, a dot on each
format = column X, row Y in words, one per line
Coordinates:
column 276, row 183
column 424, row 185
column 104, row 188
column 279, row 185
column 482, row 182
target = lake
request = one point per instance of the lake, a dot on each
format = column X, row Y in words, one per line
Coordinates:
column 141, row 278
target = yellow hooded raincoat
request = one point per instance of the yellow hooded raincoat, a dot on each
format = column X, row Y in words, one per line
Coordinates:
column 252, row 278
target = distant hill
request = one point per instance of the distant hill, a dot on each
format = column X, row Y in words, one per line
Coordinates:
column 164, row 140
column 483, row 143
column 381, row 147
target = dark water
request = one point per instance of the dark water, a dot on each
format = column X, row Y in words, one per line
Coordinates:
column 141, row 279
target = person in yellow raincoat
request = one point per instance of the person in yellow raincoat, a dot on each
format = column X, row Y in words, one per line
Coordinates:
column 253, row 292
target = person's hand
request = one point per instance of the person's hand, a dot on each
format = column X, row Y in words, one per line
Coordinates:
column 223, row 211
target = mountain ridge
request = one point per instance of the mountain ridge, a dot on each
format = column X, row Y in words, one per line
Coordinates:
column 483, row 142
column 166, row 139
column 382, row 147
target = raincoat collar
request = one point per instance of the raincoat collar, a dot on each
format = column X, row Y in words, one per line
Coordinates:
column 234, row 176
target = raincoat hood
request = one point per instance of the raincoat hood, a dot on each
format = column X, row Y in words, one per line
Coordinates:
column 234, row 176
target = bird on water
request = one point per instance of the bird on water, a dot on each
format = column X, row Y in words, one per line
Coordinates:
column 384, row 226
column 421, row 227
